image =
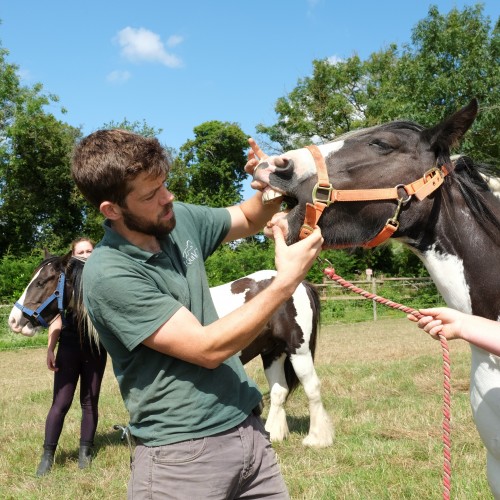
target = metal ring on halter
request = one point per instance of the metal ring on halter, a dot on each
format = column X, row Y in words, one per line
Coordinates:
column 409, row 196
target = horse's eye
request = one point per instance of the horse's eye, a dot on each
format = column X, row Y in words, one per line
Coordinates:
column 381, row 145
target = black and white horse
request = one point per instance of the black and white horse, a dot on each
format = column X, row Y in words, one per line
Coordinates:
column 398, row 179
column 286, row 345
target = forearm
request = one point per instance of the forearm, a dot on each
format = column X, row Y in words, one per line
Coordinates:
column 54, row 332
column 237, row 330
column 183, row 337
column 250, row 216
column 483, row 333
column 210, row 345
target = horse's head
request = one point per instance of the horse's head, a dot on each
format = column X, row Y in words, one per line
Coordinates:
column 39, row 304
column 365, row 176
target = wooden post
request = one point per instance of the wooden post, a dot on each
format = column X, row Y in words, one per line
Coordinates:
column 371, row 277
column 374, row 291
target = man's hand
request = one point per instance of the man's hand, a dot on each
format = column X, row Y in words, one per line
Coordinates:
column 254, row 156
column 294, row 261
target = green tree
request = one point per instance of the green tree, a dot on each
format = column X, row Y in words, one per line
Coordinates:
column 327, row 104
column 451, row 59
column 141, row 128
column 36, row 206
column 209, row 169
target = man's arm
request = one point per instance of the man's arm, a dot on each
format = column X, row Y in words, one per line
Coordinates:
column 210, row 345
column 250, row 217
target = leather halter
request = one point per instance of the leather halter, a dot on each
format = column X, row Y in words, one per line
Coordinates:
column 324, row 194
column 36, row 315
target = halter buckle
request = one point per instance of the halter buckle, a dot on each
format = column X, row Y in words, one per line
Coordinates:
column 432, row 179
column 325, row 191
column 432, row 173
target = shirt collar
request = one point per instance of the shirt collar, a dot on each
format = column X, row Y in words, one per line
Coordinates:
column 114, row 240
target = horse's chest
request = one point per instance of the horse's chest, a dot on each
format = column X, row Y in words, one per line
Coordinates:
column 448, row 273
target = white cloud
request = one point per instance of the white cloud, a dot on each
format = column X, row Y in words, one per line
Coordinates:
column 118, row 77
column 174, row 40
column 142, row 45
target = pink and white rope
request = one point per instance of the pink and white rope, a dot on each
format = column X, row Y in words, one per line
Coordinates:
column 331, row 274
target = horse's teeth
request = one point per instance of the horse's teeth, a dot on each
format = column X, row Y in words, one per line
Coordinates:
column 270, row 195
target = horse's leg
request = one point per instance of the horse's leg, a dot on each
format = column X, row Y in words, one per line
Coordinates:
column 321, row 431
column 276, row 423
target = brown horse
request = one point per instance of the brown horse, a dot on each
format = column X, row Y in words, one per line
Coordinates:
column 398, row 180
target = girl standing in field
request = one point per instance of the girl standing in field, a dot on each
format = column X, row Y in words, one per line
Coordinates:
column 76, row 359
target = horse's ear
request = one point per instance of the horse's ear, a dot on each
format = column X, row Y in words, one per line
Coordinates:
column 46, row 254
column 448, row 133
column 66, row 257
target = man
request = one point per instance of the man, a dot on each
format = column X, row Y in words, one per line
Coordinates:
column 193, row 411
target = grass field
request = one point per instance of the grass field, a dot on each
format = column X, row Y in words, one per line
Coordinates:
column 381, row 384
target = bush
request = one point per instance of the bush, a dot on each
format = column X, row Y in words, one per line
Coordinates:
column 15, row 274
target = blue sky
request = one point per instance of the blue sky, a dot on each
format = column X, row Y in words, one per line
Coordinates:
column 177, row 64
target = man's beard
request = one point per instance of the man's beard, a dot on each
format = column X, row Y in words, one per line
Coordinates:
column 159, row 229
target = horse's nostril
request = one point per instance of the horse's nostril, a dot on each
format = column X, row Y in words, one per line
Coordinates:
column 281, row 162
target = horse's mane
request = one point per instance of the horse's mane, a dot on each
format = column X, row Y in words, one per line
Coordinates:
column 401, row 124
column 470, row 179
column 56, row 260
column 84, row 326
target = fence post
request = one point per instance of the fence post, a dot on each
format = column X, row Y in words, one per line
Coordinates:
column 371, row 277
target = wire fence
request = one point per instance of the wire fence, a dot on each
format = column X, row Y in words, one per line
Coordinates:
column 342, row 305
column 338, row 305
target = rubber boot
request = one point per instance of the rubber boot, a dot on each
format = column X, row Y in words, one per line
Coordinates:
column 46, row 462
column 84, row 456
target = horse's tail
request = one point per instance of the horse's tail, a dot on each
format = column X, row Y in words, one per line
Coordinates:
column 314, row 299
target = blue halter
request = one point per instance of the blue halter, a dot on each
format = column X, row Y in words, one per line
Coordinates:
column 36, row 315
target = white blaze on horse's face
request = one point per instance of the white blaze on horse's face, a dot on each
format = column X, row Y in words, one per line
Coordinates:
column 268, row 169
column 283, row 175
column 16, row 316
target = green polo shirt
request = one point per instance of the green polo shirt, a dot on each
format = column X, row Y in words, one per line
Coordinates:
column 129, row 293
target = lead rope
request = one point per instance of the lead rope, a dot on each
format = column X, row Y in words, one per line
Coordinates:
column 330, row 273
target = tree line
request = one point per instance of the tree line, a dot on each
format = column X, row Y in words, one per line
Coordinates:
column 449, row 59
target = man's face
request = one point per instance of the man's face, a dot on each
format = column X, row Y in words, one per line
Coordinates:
column 148, row 207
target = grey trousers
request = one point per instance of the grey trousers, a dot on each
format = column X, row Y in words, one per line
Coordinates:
column 239, row 463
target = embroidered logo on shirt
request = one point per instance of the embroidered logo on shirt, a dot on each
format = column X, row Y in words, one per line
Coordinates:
column 190, row 253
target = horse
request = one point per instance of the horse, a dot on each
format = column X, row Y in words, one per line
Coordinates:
column 55, row 285
column 398, row 180
column 286, row 345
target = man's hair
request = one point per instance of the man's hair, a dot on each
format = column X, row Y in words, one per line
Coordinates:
column 105, row 162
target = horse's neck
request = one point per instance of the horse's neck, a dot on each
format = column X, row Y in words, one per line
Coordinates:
column 463, row 260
